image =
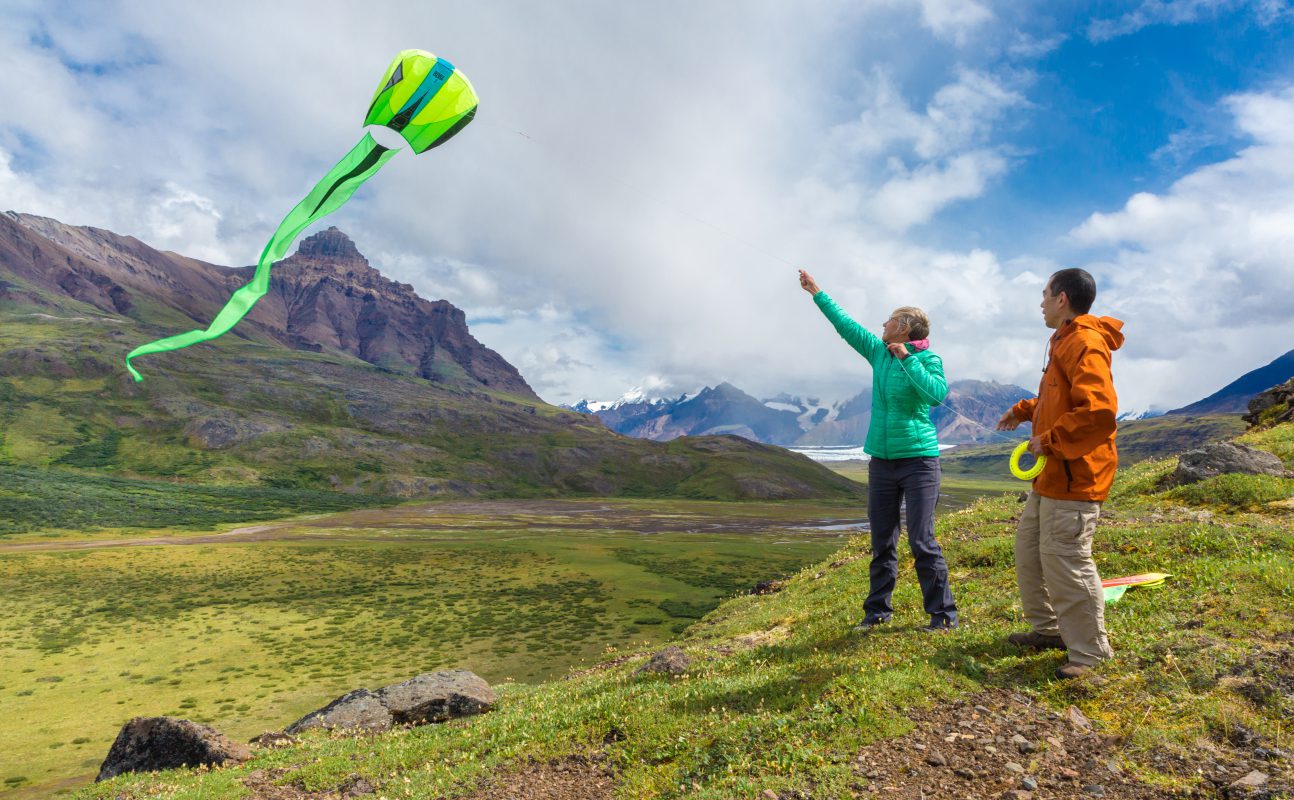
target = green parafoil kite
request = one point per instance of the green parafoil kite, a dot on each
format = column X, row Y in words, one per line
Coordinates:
column 421, row 97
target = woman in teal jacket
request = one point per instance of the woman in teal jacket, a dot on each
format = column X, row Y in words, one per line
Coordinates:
column 907, row 379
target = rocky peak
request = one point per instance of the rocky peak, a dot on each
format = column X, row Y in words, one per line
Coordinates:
column 330, row 245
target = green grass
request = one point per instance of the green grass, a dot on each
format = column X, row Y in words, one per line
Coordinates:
column 1236, row 492
column 248, row 636
column 49, row 501
column 782, row 694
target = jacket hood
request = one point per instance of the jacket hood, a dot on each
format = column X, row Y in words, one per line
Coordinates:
column 1111, row 329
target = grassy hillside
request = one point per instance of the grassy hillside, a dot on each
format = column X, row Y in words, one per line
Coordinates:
column 1138, row 440
column 784, row 699
column 245, row 413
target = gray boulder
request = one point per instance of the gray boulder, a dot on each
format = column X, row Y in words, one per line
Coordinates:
column 149, row 744
column 670, row 661
column 1224, row 457
column 360, row 710
column 437, row 697
column 431, row 697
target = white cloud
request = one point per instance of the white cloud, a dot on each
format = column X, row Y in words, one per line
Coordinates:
column 954, row 20
column 1208, row 258
column 909, row 165
column 1182, row 12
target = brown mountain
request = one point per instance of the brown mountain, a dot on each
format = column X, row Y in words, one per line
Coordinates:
column 339, row 379
column 324, row 298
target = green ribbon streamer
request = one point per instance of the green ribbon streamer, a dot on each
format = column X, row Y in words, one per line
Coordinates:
column 360, row 164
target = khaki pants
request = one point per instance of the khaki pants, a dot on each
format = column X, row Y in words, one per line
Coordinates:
column 1059, row 587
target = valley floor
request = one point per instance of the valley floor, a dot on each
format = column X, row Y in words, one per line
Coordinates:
column 248, row 628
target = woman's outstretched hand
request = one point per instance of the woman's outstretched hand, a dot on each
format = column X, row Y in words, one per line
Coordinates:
column 807, row 283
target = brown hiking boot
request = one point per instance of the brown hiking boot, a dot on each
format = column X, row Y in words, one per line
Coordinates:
column 1069, row 671
column 1038, row 641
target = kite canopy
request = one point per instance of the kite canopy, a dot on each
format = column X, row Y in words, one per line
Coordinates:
column 422, row 98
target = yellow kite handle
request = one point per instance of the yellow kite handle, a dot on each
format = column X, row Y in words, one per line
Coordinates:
column 1033, row 471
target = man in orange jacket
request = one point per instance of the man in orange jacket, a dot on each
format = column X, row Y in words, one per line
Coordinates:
column 1074, row 425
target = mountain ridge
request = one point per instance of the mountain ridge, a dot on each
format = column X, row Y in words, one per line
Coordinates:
column 325, row 296
column 968, row 415
column 339, row 379
column 1234, row 397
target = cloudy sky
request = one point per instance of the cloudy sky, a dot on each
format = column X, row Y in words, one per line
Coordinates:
column 642, row 180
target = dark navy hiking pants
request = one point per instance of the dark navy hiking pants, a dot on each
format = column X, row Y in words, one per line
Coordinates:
column 891, row 483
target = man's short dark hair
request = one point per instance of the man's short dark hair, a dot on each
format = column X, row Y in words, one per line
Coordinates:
column 1078, row 285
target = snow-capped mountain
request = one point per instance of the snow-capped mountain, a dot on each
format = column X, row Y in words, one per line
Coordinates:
column 968, row 415
column 1143, row 413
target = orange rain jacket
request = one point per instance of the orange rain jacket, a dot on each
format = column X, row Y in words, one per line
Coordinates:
column 1075, row 411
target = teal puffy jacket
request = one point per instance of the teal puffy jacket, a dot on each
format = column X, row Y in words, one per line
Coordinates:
column 902, row 391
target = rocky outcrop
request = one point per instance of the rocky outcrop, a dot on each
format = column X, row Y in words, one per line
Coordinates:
column 326, row 296
column 432, row 697
column 1273, row 406
column 150, row 744
column 670, row 661
column 1224, row 457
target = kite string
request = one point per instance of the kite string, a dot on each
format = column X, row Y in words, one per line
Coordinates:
column 656, row 198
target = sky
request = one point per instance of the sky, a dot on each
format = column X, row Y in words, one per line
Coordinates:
column 642, row 181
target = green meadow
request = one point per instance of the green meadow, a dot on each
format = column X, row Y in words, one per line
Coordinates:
column 782, row 695
column 252, row 630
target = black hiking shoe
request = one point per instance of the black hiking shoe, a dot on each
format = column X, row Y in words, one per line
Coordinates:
column 1038, row 641
column 941, row 625
column 871, row 622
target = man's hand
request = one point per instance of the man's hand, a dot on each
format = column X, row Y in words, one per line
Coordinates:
column 898, row 350
column 807, row 283
column 1009, row 421
column 1035, row 446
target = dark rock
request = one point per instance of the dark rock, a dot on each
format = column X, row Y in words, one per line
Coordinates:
column 769, row 587
column 273, row 739
column 1095, row 790
column 149, row 744
column 1271, row 398
column 1222, row 458
column 936, row 759
column 357, row 710
column 437, row 697
column 670, row 661
column 1029, row 783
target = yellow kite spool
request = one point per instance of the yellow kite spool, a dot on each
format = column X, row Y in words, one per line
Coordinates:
column 1032, row 472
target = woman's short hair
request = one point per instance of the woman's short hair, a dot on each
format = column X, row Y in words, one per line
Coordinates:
column 916, row 320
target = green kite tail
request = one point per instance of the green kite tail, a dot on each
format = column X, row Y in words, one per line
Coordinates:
column 360, row 164
column 423, row 98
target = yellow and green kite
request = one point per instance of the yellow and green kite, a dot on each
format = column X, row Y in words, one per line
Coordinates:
column 421, row 97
